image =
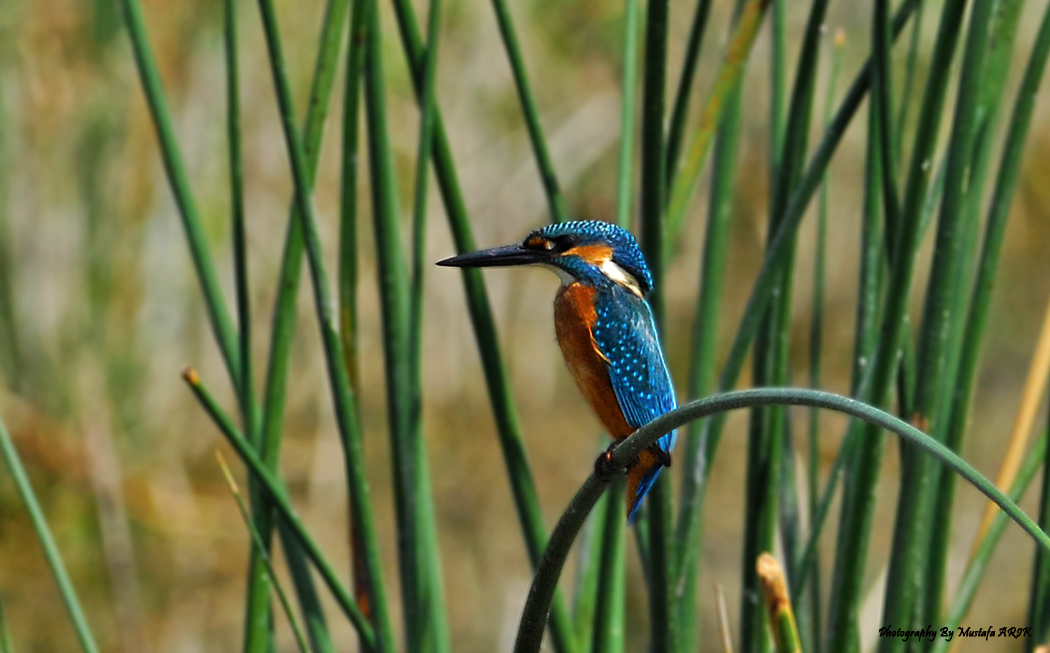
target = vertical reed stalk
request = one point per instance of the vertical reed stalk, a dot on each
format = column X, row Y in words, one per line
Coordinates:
column 47, row 541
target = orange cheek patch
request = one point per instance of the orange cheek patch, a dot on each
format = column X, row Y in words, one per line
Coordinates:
column 593, row 254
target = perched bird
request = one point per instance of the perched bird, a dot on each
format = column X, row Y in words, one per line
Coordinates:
column 605, row 329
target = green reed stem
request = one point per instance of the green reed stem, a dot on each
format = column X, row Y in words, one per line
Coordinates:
column 423, row 608
column 437, row 634
column 149, row 76
column 257, row 630
column 908, row 86
column 966, row 335
column 625, row 160
column 772, row 346
column 858, row 508
column 47, row 541
column 555, row 199
column 1039, row 592
column 688, row 524
column 278, row 494
column 530, row 631
column 705, row 323
column 245, row 390
column 609, row 613
column 282, row 330
column 508, row 426
column 585, row 587
column 342, row 397
column 682, row 97
column 663, row 621
column 263, row 553
column 348, row 253
column 809, row 614
column 908, row 558
column 974, row 574
column 5, row 633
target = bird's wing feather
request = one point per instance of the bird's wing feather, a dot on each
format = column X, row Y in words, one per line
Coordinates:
column 625, row 335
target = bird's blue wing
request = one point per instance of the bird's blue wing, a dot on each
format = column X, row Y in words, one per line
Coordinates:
column 625, row 334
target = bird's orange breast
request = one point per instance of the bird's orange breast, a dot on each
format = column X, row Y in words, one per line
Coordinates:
column 574, row 319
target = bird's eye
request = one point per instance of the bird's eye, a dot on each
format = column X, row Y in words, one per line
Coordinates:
column 562, row 243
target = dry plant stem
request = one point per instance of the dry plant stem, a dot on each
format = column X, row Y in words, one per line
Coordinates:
column 687, row 177
column 778, row 604
column 1034, row 389
column 274, row 487
column 260, row 549
column 724, row 629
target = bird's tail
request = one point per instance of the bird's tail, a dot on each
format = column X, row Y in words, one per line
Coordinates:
column 641, row 476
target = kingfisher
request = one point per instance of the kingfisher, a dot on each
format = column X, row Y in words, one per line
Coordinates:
column 606, row 331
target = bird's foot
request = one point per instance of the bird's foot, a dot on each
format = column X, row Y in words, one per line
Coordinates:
column 662, row 457
column 603, row 467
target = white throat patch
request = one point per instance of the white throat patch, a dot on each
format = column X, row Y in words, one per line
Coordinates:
column 613, row 270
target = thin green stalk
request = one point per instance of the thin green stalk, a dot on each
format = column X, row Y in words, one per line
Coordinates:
column 908, row 557
column 625, row 161
column 777, row 85
column 555, row 199
column 663, row 621
column 530, row 631
column 436, row 635
column 394, row 297
column 282, row 330
column 278, row 494
column 11, row 356
column 342, row 397
column 261, row 550
column 585, row 589
column 771, row 351
column 1039, row 592
column 909, row 77
column 974, row 574
column 303, row 581
column 967, row 334
column 858, row 507
column 882, row 103
column 705, row 328
column 47, row 541
column 687, row 177
column 710, row 435
column 651, row 199
column 5, row 633
column 245, row 391
column 149, row 76
column 609, row 613
column 809, row 613
column 257, row 623
column 508, row 426
column 680, row 112
column 348, row 264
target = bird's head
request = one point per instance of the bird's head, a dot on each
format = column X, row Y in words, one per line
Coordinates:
column 583, row 251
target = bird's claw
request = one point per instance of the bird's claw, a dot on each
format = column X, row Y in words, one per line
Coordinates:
column 604, row 470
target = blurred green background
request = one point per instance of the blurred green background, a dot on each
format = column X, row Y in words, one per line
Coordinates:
column 100, row 311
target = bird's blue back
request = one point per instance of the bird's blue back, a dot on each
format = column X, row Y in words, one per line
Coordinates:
column 625, row 335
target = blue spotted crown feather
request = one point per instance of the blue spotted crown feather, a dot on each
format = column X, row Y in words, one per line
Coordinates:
column 626, row 252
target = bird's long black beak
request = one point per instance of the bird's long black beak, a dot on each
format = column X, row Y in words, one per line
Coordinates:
column 495, row 257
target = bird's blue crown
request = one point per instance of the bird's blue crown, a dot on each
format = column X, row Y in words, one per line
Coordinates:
column 625, row 250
